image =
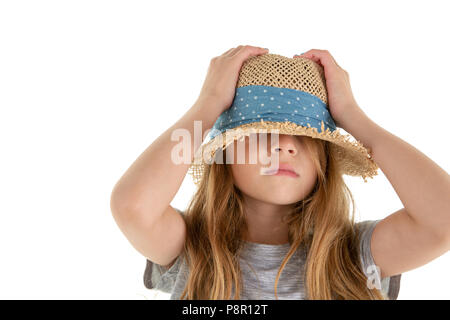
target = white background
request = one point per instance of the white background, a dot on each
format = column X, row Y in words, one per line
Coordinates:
column 86, row 86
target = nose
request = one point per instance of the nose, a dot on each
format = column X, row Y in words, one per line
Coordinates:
column 285, row 144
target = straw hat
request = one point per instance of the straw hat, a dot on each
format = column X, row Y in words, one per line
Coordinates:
column 288, row 95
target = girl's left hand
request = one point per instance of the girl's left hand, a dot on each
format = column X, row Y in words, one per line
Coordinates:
column 340, row 97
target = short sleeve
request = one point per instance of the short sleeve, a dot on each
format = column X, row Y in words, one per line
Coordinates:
column 389, row 286
column 159, row 277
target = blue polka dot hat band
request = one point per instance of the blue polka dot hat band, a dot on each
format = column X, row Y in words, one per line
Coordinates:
column 256, row 103
column 288, row 96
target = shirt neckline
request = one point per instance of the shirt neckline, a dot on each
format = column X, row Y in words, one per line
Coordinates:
column 266, row 245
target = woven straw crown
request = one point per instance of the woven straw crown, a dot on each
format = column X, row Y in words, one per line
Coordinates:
column 288, row 96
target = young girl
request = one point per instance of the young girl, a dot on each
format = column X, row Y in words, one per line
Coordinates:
column 251, row 236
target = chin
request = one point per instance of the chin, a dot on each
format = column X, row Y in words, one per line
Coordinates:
column 282, row 198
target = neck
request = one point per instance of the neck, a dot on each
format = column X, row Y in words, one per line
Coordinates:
column 265, row 222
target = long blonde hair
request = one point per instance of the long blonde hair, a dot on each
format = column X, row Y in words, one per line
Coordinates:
column 215, row 224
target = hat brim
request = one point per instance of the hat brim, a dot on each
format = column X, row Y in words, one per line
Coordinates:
column 352, row 157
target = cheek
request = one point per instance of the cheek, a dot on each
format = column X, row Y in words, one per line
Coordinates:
column 247, row 179
column 242, row 174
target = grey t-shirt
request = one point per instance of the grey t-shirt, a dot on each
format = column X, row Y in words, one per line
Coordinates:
column 259, row 265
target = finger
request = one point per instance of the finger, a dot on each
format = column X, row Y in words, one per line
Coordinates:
column 244, row 52
column 321, row 56
column 235, row 50
column 227, row 52
column 302, row 54
column 334, row 60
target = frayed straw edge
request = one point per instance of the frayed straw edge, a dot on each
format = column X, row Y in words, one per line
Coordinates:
column 287, row 127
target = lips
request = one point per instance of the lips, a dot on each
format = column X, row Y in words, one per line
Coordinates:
column 283, row 169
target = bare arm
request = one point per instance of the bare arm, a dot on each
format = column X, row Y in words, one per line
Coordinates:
column 152, row 181
column 419, row 232
column 140, row 201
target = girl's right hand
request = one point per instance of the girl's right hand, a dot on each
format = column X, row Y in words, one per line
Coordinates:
column 219, row 87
